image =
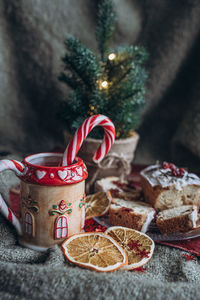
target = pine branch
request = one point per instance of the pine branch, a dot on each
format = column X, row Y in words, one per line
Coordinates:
column 105, row 25
column 126, row 57
column 71, row 81
column 122, row 76
column 132, row 83
column 70, row 65
column 81, row 62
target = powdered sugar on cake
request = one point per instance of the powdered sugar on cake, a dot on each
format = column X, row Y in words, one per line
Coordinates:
column 149, row 218
column 137, row 208
column 177, row 211
column 194, row 217
column 159, row 176
column 107, row 183
column 177, row 216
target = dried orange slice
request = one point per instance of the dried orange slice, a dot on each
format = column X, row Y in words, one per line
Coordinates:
column 97, row 205
column 137, row 245
column 95, row 251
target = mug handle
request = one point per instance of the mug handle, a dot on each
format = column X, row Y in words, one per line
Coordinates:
column 18, row 168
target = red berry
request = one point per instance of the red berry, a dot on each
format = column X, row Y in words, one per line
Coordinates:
column 165, row 165
column 104, row 228
column 181, row 172
column 172, row 166
column 174, row 173
column 126, row 209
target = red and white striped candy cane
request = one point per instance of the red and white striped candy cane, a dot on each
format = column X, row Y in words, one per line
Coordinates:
column 9, row 164
column 82, row 132
column 18, row 168
column 7, row 212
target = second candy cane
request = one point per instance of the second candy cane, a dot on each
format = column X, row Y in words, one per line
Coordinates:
column 81, row 134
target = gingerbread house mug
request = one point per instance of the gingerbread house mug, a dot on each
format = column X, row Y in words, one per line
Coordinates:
column 51, row 199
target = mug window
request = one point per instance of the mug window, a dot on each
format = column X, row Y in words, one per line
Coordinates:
column 61, row 230
column 28, row 223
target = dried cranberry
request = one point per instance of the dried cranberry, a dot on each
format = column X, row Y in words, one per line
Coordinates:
column 114, row 192
column 174, row 170
column 90, row 222
column 189, row 256
column 92, row 226
column 140, row 270
column 172, row 166
column 165, row 165
column 174, row 173
column 126, row 209
column 120, row 184
column 134, row 245
column 144, row 253
column 181, row 171
column 104, row 228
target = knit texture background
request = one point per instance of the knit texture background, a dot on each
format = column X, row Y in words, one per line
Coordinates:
column 31, row 45
column 28, row 274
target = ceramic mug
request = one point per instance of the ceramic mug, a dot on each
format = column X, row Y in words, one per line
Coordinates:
column 51, row 199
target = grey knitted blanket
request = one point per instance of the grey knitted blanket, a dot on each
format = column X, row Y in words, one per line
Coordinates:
column 27, row 274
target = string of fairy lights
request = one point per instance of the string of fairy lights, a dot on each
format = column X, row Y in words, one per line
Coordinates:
column 104, row 83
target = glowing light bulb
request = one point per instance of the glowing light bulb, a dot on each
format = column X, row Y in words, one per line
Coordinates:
column 111, row 56
column 91, row 107
column 104, row 84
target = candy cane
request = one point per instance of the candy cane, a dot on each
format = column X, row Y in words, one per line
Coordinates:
column 9, row 164
column 7, row 212
column 19, row 169
column 82, row 132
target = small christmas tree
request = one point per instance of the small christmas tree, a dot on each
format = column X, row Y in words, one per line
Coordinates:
column 112, row 84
